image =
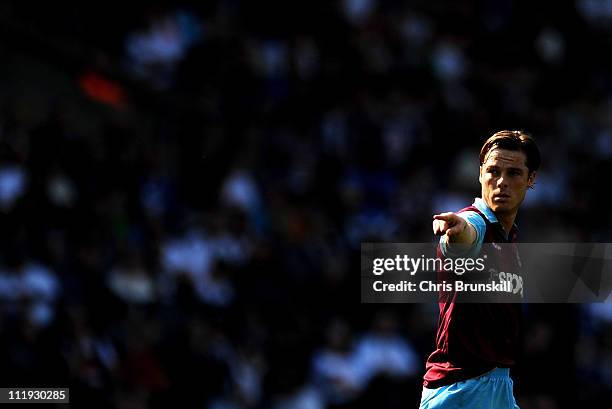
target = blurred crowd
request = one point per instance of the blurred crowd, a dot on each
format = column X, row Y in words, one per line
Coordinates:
column 184, row 190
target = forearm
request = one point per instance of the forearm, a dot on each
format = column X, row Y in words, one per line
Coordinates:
column 466, row 237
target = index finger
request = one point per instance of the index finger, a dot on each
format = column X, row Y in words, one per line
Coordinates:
column 445, row 216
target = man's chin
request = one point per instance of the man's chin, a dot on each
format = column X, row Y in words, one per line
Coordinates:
column 501, row 207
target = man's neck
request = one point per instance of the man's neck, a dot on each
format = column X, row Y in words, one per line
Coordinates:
column 506, row 220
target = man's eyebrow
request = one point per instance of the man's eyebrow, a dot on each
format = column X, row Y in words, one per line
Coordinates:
column 496, row 166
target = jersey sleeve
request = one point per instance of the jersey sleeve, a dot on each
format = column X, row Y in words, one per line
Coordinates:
column 479, row 225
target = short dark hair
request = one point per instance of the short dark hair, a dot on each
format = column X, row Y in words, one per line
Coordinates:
column 513, row 141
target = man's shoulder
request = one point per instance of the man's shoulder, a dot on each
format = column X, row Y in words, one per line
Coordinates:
column 470, row 208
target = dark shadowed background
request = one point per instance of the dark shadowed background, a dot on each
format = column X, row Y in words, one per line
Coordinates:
column 184, row 189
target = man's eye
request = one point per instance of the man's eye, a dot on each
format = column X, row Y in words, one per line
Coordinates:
column 493, row 171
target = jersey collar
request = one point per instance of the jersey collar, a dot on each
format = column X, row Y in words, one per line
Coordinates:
column 486, row 210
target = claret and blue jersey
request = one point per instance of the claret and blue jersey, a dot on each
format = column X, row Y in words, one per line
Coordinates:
column 473, row 339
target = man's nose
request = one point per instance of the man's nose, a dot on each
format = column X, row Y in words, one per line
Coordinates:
column 501, row 182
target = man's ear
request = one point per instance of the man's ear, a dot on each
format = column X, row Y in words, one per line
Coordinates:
column 480, row 174
column 531, row 179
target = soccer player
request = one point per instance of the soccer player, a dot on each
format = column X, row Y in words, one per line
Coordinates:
column 476, row 344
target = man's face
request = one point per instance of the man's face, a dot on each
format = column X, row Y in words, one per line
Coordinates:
column 505, row 178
